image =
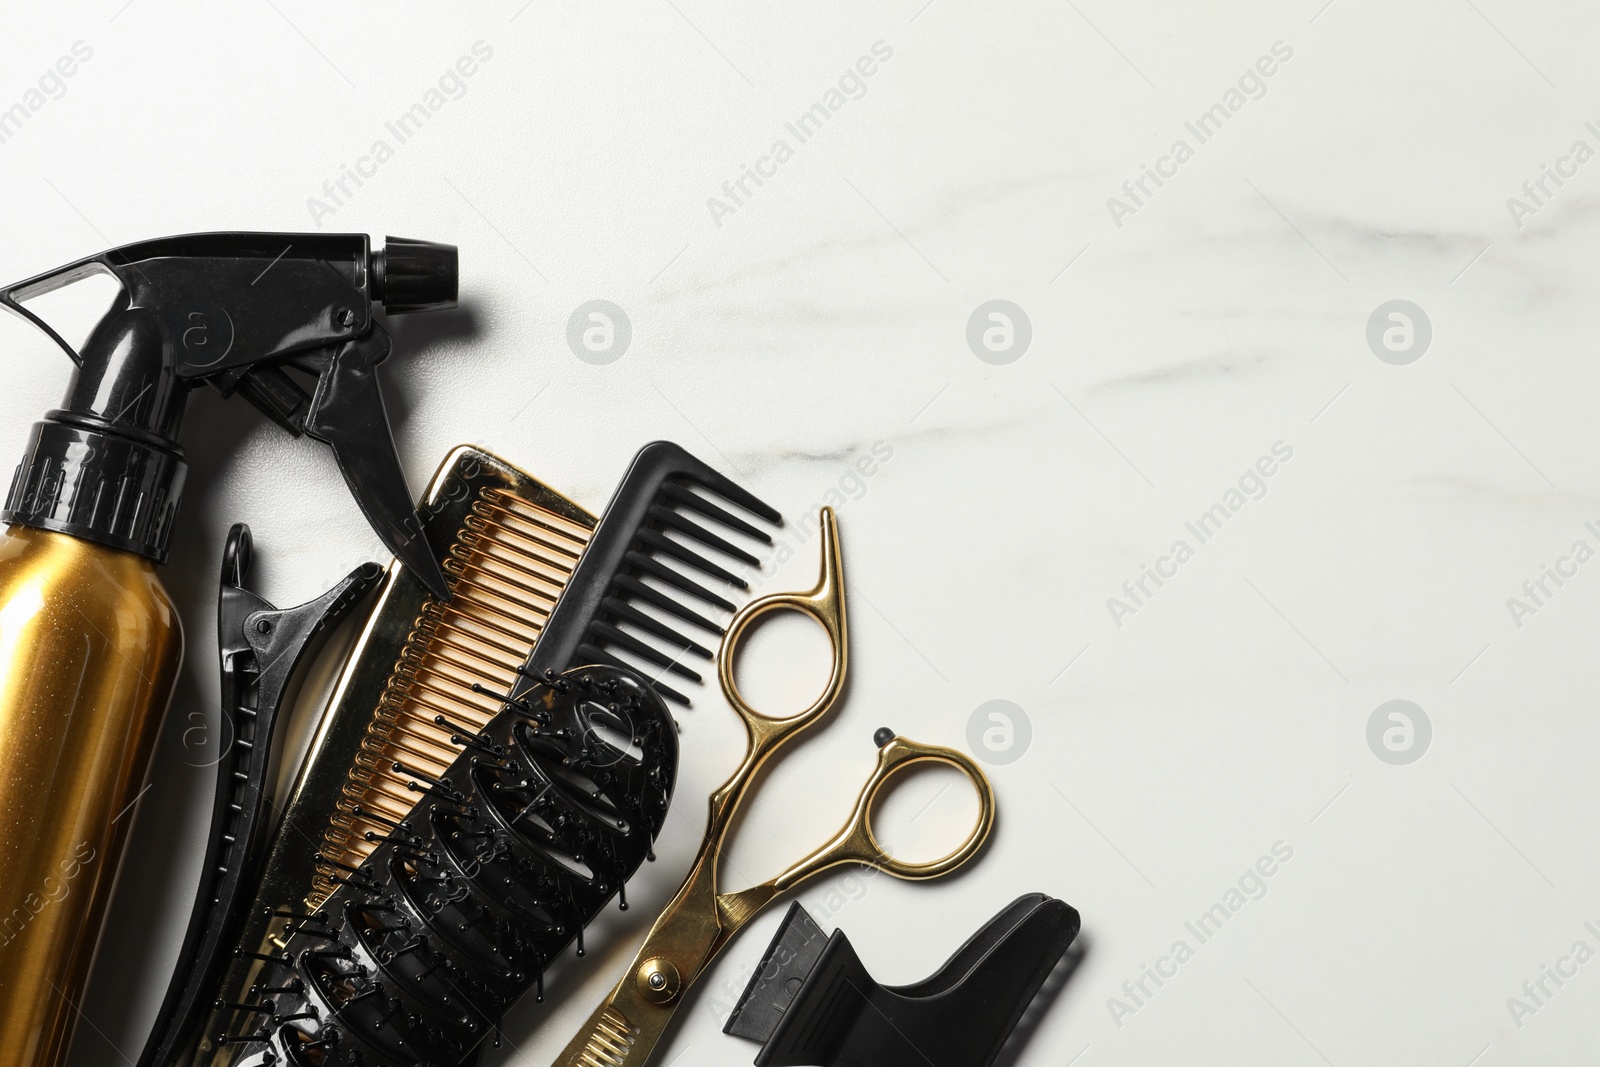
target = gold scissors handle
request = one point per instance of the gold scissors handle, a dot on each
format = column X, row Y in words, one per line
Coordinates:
column 701, row 919
column 824, row 603
column 857, row 843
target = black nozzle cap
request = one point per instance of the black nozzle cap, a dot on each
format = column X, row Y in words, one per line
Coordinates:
column 412, row 275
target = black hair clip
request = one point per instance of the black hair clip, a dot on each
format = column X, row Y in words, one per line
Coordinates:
column 809, row 1001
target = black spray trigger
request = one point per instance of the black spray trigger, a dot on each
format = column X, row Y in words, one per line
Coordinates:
column 232, row 311
column 348, row 414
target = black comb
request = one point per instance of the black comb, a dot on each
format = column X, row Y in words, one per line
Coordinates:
column 631, row 549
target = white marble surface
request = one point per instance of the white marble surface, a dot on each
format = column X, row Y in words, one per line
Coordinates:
column 1227, row 312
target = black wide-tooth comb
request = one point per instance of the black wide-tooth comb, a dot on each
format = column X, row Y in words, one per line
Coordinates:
column 631, row 544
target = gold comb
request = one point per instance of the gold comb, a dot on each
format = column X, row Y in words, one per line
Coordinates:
column 506, row 570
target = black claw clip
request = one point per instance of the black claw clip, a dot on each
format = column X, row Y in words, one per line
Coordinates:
column 260, row 647
column 813, row 1004
column 242, row 313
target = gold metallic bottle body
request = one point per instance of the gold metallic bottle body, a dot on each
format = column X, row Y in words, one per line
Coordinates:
column 89, row 650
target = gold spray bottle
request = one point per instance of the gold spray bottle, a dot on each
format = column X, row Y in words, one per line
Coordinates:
column 89, row 650
column 90, row 644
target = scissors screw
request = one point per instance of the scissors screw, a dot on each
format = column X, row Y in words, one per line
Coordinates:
column 658, row 980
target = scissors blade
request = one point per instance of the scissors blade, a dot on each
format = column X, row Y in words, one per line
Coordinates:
column 608, row 1039
column 629, row 1023
column 623, row 1031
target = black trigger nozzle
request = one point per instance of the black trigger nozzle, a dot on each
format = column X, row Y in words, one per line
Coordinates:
column 410, row 275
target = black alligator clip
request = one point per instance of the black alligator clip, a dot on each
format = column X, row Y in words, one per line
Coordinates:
column 260, row 647
column 813, row 1004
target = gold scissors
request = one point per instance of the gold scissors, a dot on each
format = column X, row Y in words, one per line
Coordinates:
column 701, row 919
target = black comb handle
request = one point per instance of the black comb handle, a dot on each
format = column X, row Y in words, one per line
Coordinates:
column 815, row 1005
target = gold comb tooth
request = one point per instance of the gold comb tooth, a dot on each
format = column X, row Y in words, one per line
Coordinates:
column 463, row 662
column 506, row 618
column 508, row 540
column 418, row 696
column 394, row 714
column 476, row 574
column 428, row 662
column 431, row 685
column 471, row 624
column 548, row 582
column 505, row 550
column 469, row 718
column 492, row 536
column 453, row 626
column 493, row 596
column 496, row 499
column 503, row 543
column 507, row 564
column 519, row 527
column 409, row 748
column 439, row 700
column 419, row 724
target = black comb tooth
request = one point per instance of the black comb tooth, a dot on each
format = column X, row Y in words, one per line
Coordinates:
column 633, row 587
column 667, row 517
column 625, row 611
column 655, row 569
column 668, row 547
column 695, row 502
column 645, row 651
column 731, row 490
column 588, row 653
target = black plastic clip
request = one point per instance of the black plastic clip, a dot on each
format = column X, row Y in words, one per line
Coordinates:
column 260, row 647
column 813, row 1004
